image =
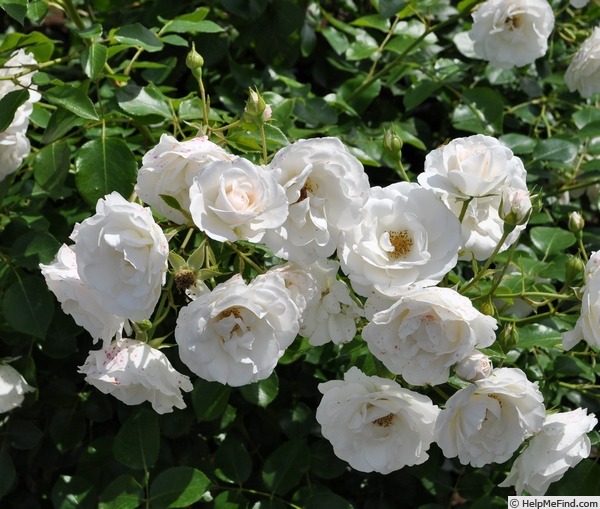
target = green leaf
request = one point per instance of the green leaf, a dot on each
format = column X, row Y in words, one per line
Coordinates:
column 60, row 123
column 420, row 92
column 389, row 8
column 538, row 335
column 555, row 149
column 327, row 501
column 24, row 436
column 51, row 166
column 230, row 500
column 232, row 461
column 583, row 479
column 183, row 26
column 285, row 466
column 263, row 392
column 209, row 399
column 92, row 32
column 7, row 472
column 37, row 10
column 178, row 487
column 359, row 101
column 122, row 493
column 137, row 443
column 67, row 429
column 518, row 143
column 28, row 306
column 551, row 240
column 9, row 104
column 138, row 35
column 324, row 463
column 105, row 165
column 93, row 59
column 73, row 492
column 139, row 102
column 72, row 99
column 16, row 9
column 481, row 111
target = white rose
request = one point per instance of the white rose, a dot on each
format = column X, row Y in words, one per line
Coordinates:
column 586, row 327
column 579, row 4
column 17, row 64
column 169, row 169
column 122, row 255
column 77, row 299
column 13, row 388
column 232, row 200
column 407, row 237
column 236, row 334
column 134, row 372
column 583, row 73
column 300, row 281
column 14, row 147
column 426, row 332
column 561, row 444
column 332, row 316
column 374, row 424
column 515, row 206
column 487, row 421
column 326, row 187
column 510, row 33
column 474, row 367
column 470, row 175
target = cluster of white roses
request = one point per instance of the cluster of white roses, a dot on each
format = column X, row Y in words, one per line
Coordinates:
column 510, row 33
column 16, row 74
column 311, row 204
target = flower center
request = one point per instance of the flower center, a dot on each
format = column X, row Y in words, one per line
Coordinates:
column 231, row 318
column 385, row 421
column 402, row 243
column 512, row 22
column 309, row 187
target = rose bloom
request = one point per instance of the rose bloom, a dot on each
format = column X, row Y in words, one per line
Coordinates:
column 487, row 421
column 169, row 169
column 515, row 206
column 122, row 255
column 586, row 327
column 474, row 367
column 407, row 237
column 133, row 372
column 583, row 73
column 14, row 144
column 375, row 424
column 561, row 444
column 13, row 388
column 326, row 187
column 79, row 300
column 425, row 332
column 301, row 283
column 333, row 315
column 236, row 334
column 472, row 173
column 510, row 33
column 232, row 200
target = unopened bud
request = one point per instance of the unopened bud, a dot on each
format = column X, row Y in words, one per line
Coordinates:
column 257, row 111
column 576, row 222
column 392, row 143
column 488, row 308
column 515, row 206
column 573, row 268
column 194, row 61
column 475, row 367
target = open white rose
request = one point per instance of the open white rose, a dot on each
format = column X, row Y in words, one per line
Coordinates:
column 326, row 187
column 236, row 334
column 426, row 332
column 169, row 169
column 332, row 316
column 586, row 327
column 301, row 282
column 233, row 200
column 375, row 424
column 13, row 388
column 510, row 33
column 14, row 144
column 122, row 255
column 79, row 300
column 583, row 73
column 407, row 237
column 487, row 421
column 133, row 372
column 561, row 444
column 471, row 175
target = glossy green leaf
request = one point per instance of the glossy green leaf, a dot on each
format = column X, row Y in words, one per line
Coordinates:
column 178, row 487
column 16, row 9
column 551, row 240
column 138, row 35
column 67, row 429
column 72, row 99
column 230, row 500
column 327, row 501
column 122, row 493
column 263, row 392
column 73, row 492
column 92, row 32
column 7, row 472
column 538, row 335
column 137, row 443
column 209, row 399
column 28, row 306
column 183, row 26
column 9, row 104
column 481, row 111
column 285, row 466
column 518, row 143
column 389, row 8
column 61, row 122
column 105, row 165
column 142, row 101
column 583, row 479
column 420, row 92
column 51, row 166
column 232, row 461
column 93, row 59
column 555, row 149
